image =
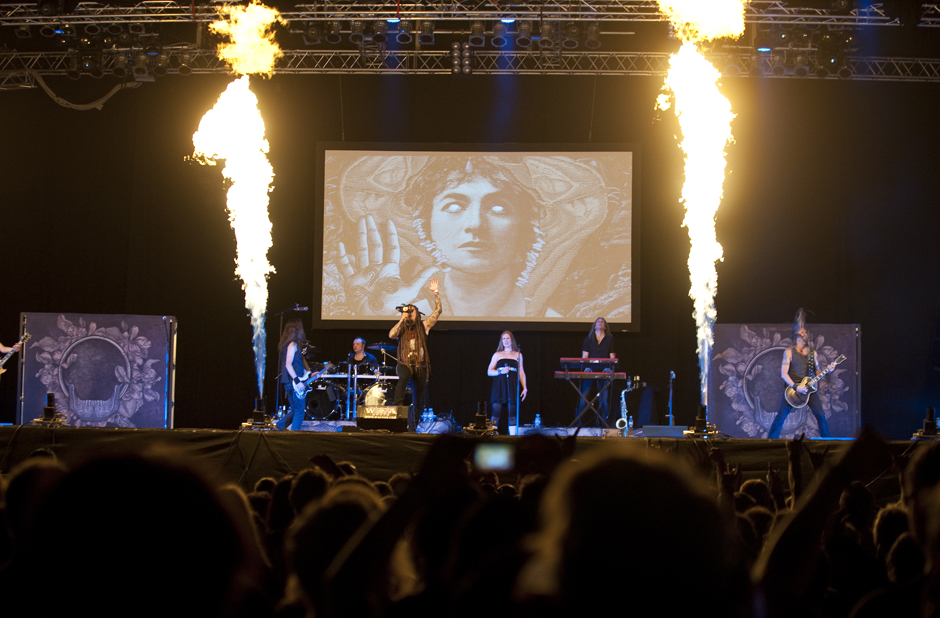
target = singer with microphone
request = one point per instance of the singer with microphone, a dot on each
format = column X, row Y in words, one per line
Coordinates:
column 508, row 377
column 414, row 364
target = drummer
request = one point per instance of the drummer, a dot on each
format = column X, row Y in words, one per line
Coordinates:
column 367, row 362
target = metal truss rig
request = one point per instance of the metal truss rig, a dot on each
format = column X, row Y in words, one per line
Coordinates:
column 18, row 69
column 162, row 11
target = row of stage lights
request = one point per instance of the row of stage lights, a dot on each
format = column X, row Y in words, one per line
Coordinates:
column 141, row 65
column 802, row 50
column 545, row 35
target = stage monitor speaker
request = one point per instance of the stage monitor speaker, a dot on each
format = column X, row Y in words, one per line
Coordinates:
column 389, row 418
column 663, row 431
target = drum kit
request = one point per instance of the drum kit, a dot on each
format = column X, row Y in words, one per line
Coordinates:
column 369, row 384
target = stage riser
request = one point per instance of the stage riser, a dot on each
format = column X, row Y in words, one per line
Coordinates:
column 246, row 456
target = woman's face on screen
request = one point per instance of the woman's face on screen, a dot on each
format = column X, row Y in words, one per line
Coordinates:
column 475, row 226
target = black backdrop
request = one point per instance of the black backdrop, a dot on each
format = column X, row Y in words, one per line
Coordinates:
column 830, row 204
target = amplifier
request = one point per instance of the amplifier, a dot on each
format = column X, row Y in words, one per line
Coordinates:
column 382, row 412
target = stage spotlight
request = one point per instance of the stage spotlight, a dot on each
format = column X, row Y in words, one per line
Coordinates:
column 48, row 31
column 91, row 64
column 73, row 72
column 592, row 39
column 524, row 36
column 404, row 33
column 778, row 61
column 845, row 71
column 136, row 28
column 355, row 34
column 334, row 33
column 547, row 35
column 50, row 8
column 312, row 35
column 186, row 64
column 114, row 29
column 466, row 61
column 455, row 58
column 119, row 66
column 92, row 29
column 570, row 40
column 801, row 65
column 499, row 35
column 477, row 38
column 85, row 43
column 380, row 32
column 764, row 41
column 426, row 33
column 141, row 65
column 161, row 64
column 23, row 32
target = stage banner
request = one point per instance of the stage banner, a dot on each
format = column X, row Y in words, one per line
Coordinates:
column 104, row 370
column 745, row 388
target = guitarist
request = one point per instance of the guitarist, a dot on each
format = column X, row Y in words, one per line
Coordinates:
column 799, row 361
column 6, row 350
column 293, row 371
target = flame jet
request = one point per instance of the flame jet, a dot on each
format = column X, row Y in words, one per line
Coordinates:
column 705, row 123
column 233, row 132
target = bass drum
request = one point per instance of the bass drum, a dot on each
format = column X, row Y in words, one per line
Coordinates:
column 379, row 394
column 326, row 399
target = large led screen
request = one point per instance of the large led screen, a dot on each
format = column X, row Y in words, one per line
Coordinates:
column 520, row 237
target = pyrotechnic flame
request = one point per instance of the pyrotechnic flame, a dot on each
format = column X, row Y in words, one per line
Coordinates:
column 233, row 131
column 705, row 123
column 252, row 48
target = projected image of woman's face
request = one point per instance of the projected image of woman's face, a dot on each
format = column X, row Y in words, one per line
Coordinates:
column 474, row 225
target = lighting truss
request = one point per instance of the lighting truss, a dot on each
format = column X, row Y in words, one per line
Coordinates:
column 161, row 11
column 16, row 69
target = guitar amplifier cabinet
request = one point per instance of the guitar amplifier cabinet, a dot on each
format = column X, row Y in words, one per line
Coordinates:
column 103, row 370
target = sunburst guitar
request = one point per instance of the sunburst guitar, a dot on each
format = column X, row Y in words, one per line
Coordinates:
column 6, row 357
column 798, row 400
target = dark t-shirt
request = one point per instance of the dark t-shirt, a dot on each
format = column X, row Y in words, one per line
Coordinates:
column 598, row 350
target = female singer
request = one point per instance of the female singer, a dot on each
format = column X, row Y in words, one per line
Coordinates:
column 505, row 368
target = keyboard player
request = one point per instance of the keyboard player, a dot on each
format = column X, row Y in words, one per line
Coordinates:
column 598, row 344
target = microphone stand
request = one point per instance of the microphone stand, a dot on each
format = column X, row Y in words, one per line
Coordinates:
column 672, row 419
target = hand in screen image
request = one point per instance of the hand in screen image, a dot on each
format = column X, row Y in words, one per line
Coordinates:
column 373, row 276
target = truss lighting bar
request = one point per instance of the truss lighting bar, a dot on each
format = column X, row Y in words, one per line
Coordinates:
column 757, row 11
column 16, row 69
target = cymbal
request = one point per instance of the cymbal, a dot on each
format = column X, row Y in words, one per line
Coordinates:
column 382, row 346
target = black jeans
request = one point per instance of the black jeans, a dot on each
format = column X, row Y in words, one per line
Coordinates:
column 815, row 406
column 418, row 376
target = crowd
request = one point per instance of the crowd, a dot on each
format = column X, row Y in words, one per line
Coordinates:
column 626, row 529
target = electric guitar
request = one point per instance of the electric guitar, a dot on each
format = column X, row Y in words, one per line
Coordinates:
column 3, row 360
column 798, row 400
column 303, row 387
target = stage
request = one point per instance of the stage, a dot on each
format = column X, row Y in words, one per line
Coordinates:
column 245, row 456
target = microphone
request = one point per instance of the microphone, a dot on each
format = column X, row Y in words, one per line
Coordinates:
column 297, row 307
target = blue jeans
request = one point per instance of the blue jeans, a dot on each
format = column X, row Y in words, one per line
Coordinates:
column 294, row 416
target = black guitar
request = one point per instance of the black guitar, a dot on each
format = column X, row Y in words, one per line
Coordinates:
column 303, row 387
column 12, row 352
column 798, row 400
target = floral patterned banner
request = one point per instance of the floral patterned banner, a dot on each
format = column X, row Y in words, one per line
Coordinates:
column 745, row 389
column 104, row 370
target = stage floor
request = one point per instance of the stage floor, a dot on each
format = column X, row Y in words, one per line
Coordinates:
column 245, row 456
